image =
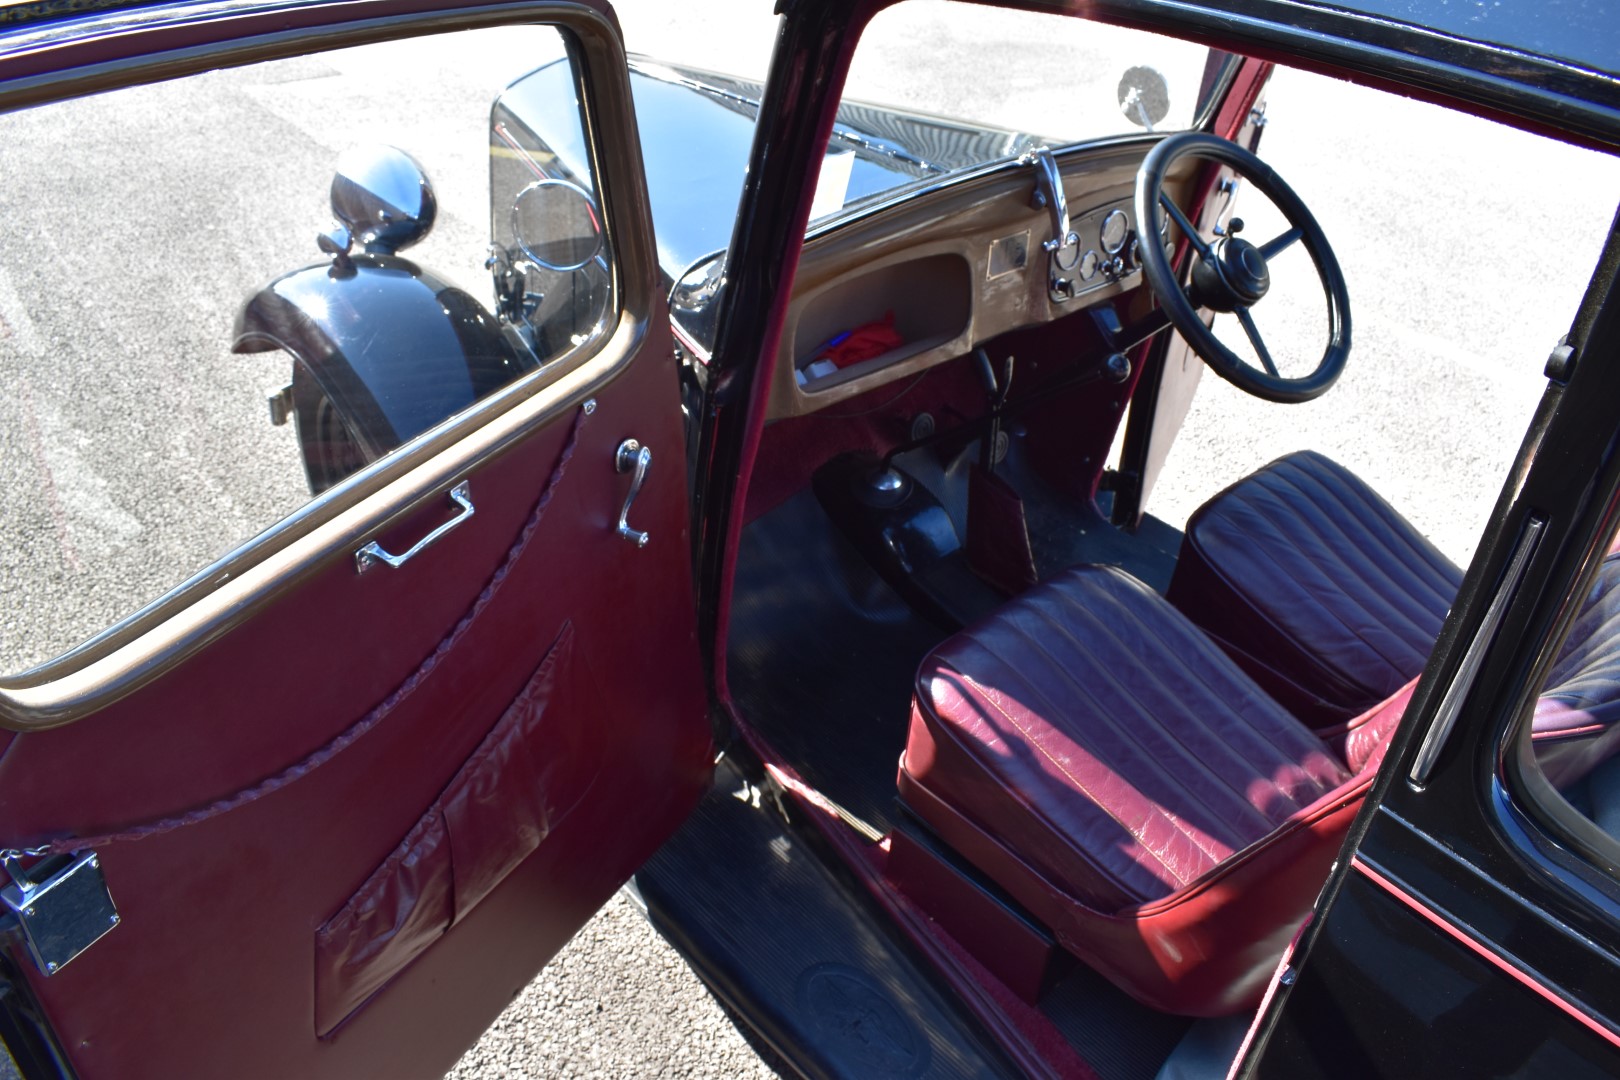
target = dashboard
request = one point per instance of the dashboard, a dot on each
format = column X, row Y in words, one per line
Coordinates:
column 955, row 265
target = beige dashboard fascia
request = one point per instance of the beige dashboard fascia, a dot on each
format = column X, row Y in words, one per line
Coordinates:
column 929, row 256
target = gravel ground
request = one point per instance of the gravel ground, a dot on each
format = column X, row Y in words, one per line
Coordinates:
column 616, row 1002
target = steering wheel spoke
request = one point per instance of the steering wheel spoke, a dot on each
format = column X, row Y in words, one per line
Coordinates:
column 1185, row 226
column 1247, row 319
column 1233, row 275
column 1280, row 243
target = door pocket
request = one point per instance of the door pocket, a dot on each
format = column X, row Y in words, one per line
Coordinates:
column 535, row 765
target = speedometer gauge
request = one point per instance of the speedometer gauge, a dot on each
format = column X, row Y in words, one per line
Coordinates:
column 1114, row 229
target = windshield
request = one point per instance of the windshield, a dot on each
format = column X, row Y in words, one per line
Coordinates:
column 999, row 94
column 907, row 121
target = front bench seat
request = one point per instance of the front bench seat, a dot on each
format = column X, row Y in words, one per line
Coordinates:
column 1332, row 601
column 1091, row 751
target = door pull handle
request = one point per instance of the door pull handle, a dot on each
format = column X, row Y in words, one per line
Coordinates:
column 373, row 553
column 632, row 455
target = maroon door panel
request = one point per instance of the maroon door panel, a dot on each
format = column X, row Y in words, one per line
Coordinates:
column 346, row 831
column 220, row 919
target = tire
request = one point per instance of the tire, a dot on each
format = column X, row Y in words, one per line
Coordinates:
column 329, row 448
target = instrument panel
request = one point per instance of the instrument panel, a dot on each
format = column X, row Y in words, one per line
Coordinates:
column 1108, row 247
column 933, row 273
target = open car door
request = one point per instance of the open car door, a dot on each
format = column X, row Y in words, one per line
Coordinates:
column 326, row 804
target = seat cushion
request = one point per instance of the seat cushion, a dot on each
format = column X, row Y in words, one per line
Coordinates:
column 1095, row 730
column 1323, row 593
column 1089, row 750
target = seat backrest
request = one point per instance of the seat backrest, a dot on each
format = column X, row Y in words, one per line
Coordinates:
column 1575, row 727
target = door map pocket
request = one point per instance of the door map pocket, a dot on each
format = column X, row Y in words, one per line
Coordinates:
column 535, row 765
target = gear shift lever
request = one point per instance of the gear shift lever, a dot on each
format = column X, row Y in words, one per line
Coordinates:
column 998, row 393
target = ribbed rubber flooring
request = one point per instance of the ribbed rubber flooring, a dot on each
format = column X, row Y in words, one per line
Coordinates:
column 822, row 657
column 800, row 953
column 1119, row 1038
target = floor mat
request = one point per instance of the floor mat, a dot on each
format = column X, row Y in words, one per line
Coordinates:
column 1119, row 1037
column 822, row 656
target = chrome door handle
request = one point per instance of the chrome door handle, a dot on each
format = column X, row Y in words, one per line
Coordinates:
column 373, row 553
column 632, row 455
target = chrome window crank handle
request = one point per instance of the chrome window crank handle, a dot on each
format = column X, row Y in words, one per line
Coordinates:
column 632, row 455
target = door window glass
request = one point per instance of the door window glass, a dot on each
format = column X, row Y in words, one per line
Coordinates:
column 373, row 239
column 1572, row 743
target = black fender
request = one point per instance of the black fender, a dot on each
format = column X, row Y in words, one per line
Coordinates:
column 395, row 349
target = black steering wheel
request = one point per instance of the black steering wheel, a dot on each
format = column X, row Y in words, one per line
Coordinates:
column 1232, row 275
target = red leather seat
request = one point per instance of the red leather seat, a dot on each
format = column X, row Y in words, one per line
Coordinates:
column 1319, row 589
column 1093, row 752
column 1332, row 601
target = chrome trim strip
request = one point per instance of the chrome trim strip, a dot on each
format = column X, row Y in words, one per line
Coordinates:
column 1445, row 718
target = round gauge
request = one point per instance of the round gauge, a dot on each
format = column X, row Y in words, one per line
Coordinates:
column 1088, row 265
column 1115, row 227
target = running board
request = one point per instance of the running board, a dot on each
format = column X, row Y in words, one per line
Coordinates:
column 801, row 955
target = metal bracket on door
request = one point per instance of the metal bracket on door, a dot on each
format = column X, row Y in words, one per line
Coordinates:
column 631, row 455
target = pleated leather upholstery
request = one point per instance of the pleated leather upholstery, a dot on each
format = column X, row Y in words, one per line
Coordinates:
column 1574, row 727
column 1332, row 601
column 1317, row 586
column 1137, row 755
column 1089, row 749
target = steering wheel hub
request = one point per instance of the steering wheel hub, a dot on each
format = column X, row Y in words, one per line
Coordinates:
column 1237, row 277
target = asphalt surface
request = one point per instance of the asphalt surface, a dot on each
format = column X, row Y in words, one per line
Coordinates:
column 136, row 448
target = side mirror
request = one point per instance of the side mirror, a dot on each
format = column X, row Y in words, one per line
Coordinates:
column 1144, row 96
column 557, row 225
column 382, row 198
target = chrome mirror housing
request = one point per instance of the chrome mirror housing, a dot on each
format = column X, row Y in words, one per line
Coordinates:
column 382, row 198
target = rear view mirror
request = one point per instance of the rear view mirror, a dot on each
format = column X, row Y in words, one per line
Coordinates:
column 556, row 224
column 1144, row 96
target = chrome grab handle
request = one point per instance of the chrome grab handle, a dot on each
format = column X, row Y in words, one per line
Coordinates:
column 1050, row 194
column 632, row 455
column 373, row 553
column 1445, row 717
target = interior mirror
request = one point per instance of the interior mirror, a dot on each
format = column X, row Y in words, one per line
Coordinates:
column 556, row 224
column 1144, row 96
